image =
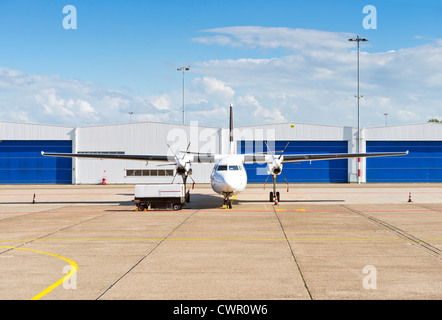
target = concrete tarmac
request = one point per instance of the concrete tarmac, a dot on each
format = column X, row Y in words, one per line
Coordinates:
column 327, row 241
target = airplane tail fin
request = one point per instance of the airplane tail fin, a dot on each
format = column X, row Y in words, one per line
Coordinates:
column 232, row 143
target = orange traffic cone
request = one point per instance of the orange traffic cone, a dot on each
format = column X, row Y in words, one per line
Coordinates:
column 409, row 198
column 276, row 200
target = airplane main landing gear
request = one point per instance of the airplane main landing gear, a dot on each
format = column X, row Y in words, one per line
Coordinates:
column 273, row 198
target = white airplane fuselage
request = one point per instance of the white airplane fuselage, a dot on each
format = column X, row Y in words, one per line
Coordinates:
column 228, row 176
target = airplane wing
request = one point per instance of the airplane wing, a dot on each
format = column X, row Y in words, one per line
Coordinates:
column 111, row 156
column 199, row 158
column 331, row 156
column 262, row 158
column 210, row 158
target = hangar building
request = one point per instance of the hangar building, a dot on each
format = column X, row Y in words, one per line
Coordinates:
column 21, row 144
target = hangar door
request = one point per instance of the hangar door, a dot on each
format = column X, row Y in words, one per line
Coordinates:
column 21, row 162
column 325, row 171
column 422, row 164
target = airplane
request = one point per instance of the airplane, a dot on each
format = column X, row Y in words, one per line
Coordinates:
column 229, row 176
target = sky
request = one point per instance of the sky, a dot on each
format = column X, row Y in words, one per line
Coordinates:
column 275, row 61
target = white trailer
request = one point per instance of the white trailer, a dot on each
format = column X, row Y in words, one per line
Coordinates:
column 164, row 196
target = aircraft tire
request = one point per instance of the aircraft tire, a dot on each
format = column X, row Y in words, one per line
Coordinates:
column 271, row 196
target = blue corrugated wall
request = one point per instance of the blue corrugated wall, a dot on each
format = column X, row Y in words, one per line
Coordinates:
column 21, row 162
column 422, row 164
column 335, row 171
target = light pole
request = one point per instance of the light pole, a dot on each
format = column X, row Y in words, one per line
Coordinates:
column 183, row 69
column 385, row 114
column 357, row 39
column 130, row 116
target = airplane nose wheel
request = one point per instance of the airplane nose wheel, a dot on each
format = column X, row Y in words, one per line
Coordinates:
column 227, row 203
column 274, row 195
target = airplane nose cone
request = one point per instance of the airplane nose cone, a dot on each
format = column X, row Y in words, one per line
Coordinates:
column 227, row 183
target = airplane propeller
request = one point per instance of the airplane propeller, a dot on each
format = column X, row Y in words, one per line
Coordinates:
column 274, row 169
column 182, row 167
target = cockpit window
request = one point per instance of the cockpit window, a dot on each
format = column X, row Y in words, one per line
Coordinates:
column 228, row 167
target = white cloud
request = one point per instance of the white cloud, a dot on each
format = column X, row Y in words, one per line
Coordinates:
column 51, row 100
column 268, row 37
column 63, row 109
column 406, row 115
column 269, row 115
column 85, row 107
column 300, row 76
column 212, row 87
column 315, row 80
column 161, row 102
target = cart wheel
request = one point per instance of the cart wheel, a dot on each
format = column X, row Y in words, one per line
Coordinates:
column 176, row 207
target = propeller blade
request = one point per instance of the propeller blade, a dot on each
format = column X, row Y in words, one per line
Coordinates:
column 166, row 164
column 266, row 181
column 172, row 151
column 284, row 150
column 285, row 181
column 193, row 184
column 268, row 148
column 185, row 152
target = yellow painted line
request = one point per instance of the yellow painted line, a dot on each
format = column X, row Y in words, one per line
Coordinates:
column 74, row 269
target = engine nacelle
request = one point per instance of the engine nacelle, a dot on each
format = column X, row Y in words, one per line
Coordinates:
column 183, row 167
column 275, row 167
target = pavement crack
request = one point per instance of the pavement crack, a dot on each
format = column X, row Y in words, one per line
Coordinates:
column 293, row 254
column 56, row 231
column 401, row 233
column 146, row 255
column 427, row 208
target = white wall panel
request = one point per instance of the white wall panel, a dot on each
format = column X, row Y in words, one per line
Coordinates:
column 28, row 131
column 426, row 132
column 142, row 138
column 298, row 131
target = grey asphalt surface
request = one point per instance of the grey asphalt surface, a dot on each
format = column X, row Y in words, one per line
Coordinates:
column 328, row 241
